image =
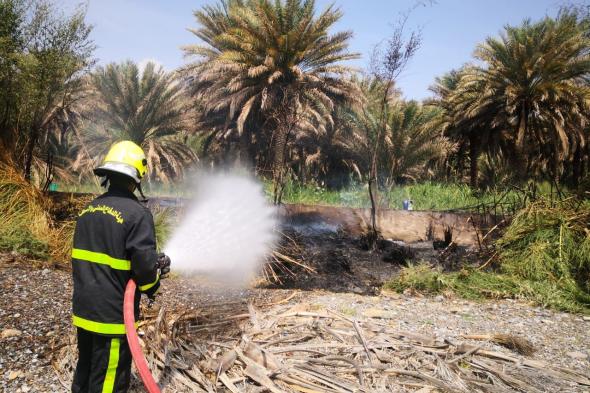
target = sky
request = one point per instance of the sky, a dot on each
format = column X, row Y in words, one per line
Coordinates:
column 143, row 30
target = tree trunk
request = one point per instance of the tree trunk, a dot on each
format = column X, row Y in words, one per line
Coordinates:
column 29, row 153
column 461, row 160
column 302, row 166
column 577, row 167
column 244, row 158
column 279, row 161
column 473, row 155
column 373, row 234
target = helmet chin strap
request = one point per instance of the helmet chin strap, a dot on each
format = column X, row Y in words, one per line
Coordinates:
column 143, row 198
column 104, row 182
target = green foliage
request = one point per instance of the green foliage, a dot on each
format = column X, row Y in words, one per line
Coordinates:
column 476, row 285
column 410, row 148
column 22, row 241
column 544, row 255
column 551, row 243
column 420, row 277
column 43, row 56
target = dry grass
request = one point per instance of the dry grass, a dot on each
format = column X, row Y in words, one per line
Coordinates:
column 28, row 227
column 26, row 224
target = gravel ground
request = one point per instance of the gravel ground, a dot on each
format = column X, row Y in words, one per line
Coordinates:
column 559, row 338
column 35, row 312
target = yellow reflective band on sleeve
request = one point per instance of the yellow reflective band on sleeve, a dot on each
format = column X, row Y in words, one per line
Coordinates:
column 99, row 327
column 104, row 259
column 109, row 379
column 145, row 287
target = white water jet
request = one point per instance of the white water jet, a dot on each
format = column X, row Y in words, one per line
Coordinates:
column 227, row 230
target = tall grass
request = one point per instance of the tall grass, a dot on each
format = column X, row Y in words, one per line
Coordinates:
column 425, row 196
column 26, row 225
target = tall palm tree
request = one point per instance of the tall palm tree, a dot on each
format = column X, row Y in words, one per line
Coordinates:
column 268, row 65
column 147, row 107
column 533, row 90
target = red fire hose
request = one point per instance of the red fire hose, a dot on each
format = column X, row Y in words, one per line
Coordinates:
column 140, row 363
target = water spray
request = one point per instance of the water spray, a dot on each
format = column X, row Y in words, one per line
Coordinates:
column 227, row 230
column 226, row 233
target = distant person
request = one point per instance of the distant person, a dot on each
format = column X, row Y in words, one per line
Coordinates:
column 408, row 204
column 114, row 242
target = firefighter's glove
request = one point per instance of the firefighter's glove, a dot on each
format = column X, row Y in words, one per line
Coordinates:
column 163, row 264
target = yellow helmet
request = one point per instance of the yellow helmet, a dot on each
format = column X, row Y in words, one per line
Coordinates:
column 126, row 158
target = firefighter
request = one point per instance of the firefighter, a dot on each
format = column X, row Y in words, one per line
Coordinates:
column 114, row 242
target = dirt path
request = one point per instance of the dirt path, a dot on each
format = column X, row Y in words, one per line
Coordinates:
column 35, row 312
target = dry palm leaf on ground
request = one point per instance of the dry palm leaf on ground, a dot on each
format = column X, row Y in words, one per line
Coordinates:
column 243, row 347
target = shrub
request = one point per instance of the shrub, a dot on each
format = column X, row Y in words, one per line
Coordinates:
column 544, row 257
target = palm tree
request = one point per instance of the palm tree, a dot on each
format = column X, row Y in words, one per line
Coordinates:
column 148, row 108
column 448, row 118
column 532, row 90
column 414, row 143
column 331, row 154
column 268, row 65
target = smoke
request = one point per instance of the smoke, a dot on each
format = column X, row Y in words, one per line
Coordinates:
column 227, row 230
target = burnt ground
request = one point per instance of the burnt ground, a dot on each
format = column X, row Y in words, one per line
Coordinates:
column 343, row 263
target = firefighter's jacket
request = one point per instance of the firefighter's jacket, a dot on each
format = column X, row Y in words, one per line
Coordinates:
column 113, row 242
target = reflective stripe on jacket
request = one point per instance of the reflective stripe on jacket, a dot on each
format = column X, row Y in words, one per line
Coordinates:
column 114, row 241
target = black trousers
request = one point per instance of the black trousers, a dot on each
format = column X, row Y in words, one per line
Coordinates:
column 104, row 364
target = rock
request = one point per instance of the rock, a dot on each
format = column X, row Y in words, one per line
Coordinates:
column 456, row 310
column 439, row 298
column 14, row 375
column 587, row 319
column 577, row 355
column 6, row 333
column 408, row 292
column 390, row 294
column 378, row 313
column 25, row 389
